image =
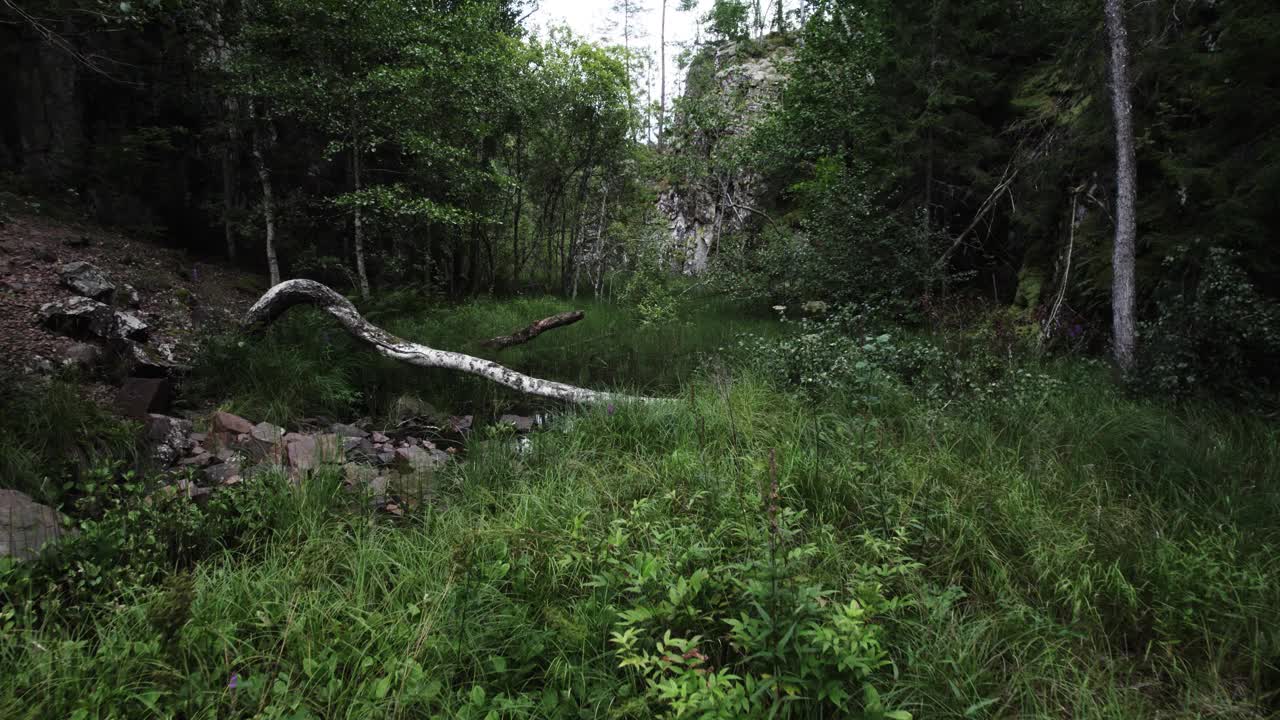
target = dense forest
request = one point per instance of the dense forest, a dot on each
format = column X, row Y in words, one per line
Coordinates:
column 855, row 358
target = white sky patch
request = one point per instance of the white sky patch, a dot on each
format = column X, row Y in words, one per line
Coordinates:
column 591, row 19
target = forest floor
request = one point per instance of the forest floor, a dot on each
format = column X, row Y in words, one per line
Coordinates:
column 874, row 550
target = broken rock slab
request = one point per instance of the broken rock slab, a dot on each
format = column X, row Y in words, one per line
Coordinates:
column 225, row 422
column 417, row 459
column 87, row 279
column 166, row 438
column 348, row 431
column 26, row 526
column 79, row 316
column 140, row 397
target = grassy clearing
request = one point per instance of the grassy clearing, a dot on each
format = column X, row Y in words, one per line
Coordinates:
column 1060, row 552
column 305, row 365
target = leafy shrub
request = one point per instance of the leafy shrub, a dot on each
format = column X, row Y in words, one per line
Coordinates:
column 840, row 354
column 841, row 250
column 124, row 537
column 747, row 634
column 1215, row 332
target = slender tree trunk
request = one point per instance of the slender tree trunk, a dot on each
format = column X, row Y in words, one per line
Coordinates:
column 228, row 197
column 1123, row 292
column 268, row 197
column 358, row 216
column 598, row 280
column 515, row 233
column 662, row 73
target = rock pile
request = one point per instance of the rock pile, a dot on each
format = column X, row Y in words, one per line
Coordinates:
column 392, row 468
column 87, row 315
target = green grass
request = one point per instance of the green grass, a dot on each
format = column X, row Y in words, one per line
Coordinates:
column 50, row 433
column 305, row 364
column 1071, row 552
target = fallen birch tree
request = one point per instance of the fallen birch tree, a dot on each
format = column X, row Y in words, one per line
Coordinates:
column 532, row 331
column 308, row 292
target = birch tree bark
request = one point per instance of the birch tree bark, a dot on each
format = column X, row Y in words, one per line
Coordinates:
column 308, row 292
column 268, row 197
column 358, row 218
column 1123, row 294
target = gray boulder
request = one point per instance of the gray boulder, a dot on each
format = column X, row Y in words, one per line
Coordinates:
column 26, row 525
column 166, row 438
column 87, row 280
column 521, row 423
column 83, row 355
column 79, row 316
column 348, row 431
column 85, row 317
column 130, row 327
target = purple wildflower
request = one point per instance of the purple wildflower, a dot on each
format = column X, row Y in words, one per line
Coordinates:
column 611, row 409
column 234, row 682
column 1076, row 330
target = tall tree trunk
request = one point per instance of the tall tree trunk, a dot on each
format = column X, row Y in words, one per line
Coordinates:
column 662, row 73
column 1123, row 292
column 358, row 214
column 515, row 232
column 228, row 195
column 268, row 197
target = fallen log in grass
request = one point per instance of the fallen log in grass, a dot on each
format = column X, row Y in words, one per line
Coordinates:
column 308, row 292
column 526, row 334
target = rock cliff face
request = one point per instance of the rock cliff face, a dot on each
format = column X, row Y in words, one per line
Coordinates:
column 729, row 90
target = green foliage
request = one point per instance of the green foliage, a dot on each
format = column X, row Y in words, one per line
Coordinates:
column 51, row 435
column 1118, row 555
column 845, row 353
column 125, row 537
column 1215, row 334
column 728, row 20
column 739, row 638
column 302, row 366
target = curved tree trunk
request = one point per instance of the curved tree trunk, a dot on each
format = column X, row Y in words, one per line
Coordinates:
column 308, row 292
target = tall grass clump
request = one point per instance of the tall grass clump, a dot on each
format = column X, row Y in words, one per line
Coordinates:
column 51, row 434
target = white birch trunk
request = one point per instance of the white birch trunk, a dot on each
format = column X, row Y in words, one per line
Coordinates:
column 358, row 218
column 268, row 197
column 308, row 292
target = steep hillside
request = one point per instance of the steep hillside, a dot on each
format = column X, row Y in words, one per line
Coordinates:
column 145, row 304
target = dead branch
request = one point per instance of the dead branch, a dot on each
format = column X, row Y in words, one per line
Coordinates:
column 308, row 292
column 533, row 330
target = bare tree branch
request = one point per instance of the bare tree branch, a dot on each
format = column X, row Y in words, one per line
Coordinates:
column 533, row 330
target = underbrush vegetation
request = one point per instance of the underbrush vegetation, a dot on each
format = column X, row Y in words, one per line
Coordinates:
column 891, row 526
column 306, row 365
column 51, row 436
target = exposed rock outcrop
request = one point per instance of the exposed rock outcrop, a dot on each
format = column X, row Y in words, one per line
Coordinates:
column 736, row 84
